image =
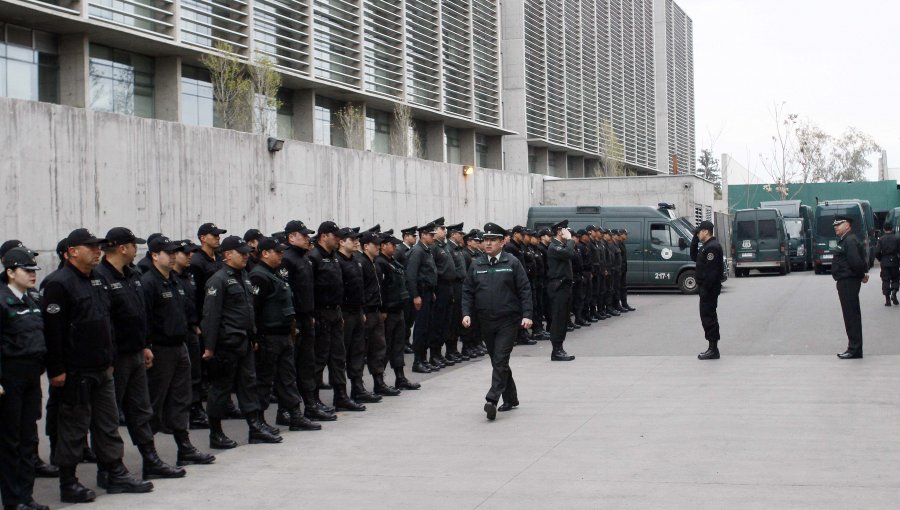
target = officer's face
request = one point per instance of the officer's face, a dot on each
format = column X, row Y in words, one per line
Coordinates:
column 328, row 241
column 492, row 245
column 253, row 243
column 371, row 249
column 236, row 259
column 182, row 259
column 704, row 235
column 165, row 259
column 427, row 238
column 347, row 244
column 211, row 240
column 440, row 233
column 129, row 252
column 409, row 239
column 299, row 240
column 22, row 278
column 388, row 249
column 87, row 256
column 272, row 258
column 842, row 228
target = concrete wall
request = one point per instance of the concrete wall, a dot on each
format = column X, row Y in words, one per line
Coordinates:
column 685, row 192
column 64, row 168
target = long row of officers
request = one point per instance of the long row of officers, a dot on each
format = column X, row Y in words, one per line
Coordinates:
column 144, row 342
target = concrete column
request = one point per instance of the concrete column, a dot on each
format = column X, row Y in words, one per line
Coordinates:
column 435, row 146
column 542, row 166
column 592, row 168
column 575, row 165
column 74, row 82
column 560, row 160
column 467, row 146
column 167, row 85
column 304, row 114
column 495, row 154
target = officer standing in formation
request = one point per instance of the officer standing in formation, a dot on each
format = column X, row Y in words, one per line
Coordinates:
column 497, row 296
column 560, row 277
column 710, row 263
column 887, row 251
column 850, row 270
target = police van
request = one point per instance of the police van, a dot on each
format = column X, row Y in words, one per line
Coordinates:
column 798, row 219
column 759, row 241
column 658, row 245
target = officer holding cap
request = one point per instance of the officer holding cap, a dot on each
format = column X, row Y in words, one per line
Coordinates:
column 228, row 329
column 710, row 264
column 168, row 328
column 421, row 280
column 22, row 351
column 850, row 270
column 559, row 287
column 497, row 295
column 80, row 352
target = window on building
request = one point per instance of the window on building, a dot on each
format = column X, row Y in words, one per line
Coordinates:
column 197, row 101
column 121, row 81
column 551, row 163
column 454, row 153
column 29, row 68
column 327, row 128
column 481, row 151
column 378, row 131
column 420, row 139
column 285, row 116
column 532, row 160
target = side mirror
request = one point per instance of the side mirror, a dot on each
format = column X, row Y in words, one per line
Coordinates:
column 682, row 243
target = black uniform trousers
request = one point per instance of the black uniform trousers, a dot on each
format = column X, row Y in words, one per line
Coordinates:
column 623, row 289
column 585, row 311
column 499, row 333
column 597, row 292
column 848, row 293
column 890, row 280
column 87, row 402
column 395, row 338
column 305, row 356
column 20, row 409
column 275, row 367
column 612, row 290
column 537, row 304
column 709, row 318
column 330, row 350
column 440, row 317
column 354, row 342
column 232, row 367
column 560, row 294
column 133, row 397
column 195, row 352
column 547, row 311
column 423, row 323
column 376, row 345
column 409, row 318
column 577, row 297
column 171, row 394
column 454, row 326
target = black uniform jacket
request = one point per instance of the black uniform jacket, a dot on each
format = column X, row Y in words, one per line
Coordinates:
column 501, row 289
column 300, row 276
column 328, row 282
column 21, row 327
column 849, row 259
column 227, row 309
column 128, row 312
column 421, row 271
column 559, row 260
column 167, row 308
column 710, row 264
column 887, row 251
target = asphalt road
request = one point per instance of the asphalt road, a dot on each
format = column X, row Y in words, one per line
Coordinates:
column 635, row 422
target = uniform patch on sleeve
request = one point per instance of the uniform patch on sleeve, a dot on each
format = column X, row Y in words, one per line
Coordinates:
column 211, row 291
column 53, row 308
column 710, row 256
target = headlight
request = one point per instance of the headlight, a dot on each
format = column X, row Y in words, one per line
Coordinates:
column 801, row 250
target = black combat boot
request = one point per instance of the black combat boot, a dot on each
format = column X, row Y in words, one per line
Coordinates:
column 217, row 439
column 198, row 419
column 232, row 412
column 121, row 481
column 419, row 365
column 87, row 455
column 275, row 431
column 154, row 467
column 258, row 431
column 42, row 469
column 188, row 454
column 402, row 383
column 313, row 410
column 382, row 388
column 894, row 297
column 300, row 422
column 71, row 490
column 359, row 393
column 711, row 353
column 322, row 405
column 342, row 402
column 887, row 300
column 283, row 417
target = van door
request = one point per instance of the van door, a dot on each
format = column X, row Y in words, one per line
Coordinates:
column 663, row 260
column 745, row 240
column 770, row 241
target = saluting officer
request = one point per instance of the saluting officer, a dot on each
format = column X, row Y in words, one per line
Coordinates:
column 22, row 351
column 421, row 280
column 850, row 270
column 559, row 275
column 497, row 294
column 394, row 297
column 228, row 329
column 168, row 329
column 273, row 303
column 887, row 251
column 710, row 263
column 80, row 352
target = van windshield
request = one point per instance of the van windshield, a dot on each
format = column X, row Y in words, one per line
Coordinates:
column 794, row 228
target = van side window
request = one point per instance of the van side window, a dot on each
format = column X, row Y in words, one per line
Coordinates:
column 661, row 235
column 746, row 229
column 767, row 229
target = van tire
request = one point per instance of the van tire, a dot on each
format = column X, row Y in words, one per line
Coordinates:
column 687, row 282
column 783, row 270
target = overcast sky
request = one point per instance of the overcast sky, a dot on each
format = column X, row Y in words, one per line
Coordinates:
column 835, row 63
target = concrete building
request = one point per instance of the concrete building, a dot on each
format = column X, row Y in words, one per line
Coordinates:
column 675, row 142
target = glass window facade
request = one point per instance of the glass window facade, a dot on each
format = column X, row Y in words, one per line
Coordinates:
column 378, row 131
column 155, row 16
column 481, row 151
column 29, row 68
column 327, row 127
column 285, row 115
column 121, row 82
column 197, row 103
column 454, row 154
column 208, row 22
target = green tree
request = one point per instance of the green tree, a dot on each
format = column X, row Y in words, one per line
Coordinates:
column 613, row 157
column 710, row 170
column 232, row 87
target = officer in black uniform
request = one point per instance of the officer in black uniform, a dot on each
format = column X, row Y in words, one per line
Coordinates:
column 22, row 351
column 207, row 260
column 146, row 262
column 182, row 273
column 887, row 251
column 253, row 236
column 615, row 265
column 471, row 337
column 497, row 295
column 539, row 265
column 169, row 379
column 543, row 313
column 376, row 348
column 421, row 280
column 587, row 260
column 229, row 329
column 133, row 356
column 710, row 263
column 409, row 311
column 596, row 273
column 300, row 277
column 273, row 303
column 394, row 297
column 455, row 247
column 850, row 270
column 80, row 354
column 443, row 301
column 559, row 276
column 623, row 285
column 329, row 294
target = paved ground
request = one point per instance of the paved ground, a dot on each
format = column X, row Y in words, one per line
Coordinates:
column 635, row 422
